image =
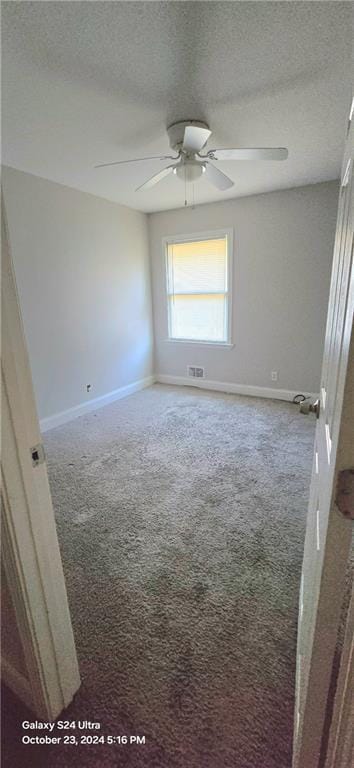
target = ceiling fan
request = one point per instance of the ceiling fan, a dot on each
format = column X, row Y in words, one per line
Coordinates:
column 187, row 139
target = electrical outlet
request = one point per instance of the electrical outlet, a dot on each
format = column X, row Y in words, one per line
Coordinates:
column 88, row 387
column 274, row 375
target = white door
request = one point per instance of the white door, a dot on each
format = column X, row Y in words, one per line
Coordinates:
column 329, row 531
column 38, row 658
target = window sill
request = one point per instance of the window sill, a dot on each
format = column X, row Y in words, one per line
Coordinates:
column 220, row 344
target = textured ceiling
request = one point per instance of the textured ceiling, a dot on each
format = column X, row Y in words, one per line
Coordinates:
column 90, row 82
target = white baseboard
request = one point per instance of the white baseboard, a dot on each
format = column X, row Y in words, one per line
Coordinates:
column 234, row 389
column 91, row 405
column 219, row 386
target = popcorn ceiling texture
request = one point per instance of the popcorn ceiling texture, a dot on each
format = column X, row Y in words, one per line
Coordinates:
column 84, row 83
column 181, row 519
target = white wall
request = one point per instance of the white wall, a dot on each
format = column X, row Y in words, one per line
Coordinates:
column 283, row 243
column 82, row 270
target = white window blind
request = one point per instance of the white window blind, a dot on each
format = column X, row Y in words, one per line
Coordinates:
column 197, row 290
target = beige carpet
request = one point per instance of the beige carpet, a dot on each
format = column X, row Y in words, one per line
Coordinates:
column 181, row 518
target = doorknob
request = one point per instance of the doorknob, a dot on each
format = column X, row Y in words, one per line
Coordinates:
column 307, row 407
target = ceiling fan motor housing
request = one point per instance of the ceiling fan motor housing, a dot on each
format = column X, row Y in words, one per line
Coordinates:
column 176, row 131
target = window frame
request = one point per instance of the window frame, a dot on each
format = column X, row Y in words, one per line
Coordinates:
column 197, row 237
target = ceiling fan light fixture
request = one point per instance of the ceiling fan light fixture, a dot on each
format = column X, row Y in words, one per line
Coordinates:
column 190, row 170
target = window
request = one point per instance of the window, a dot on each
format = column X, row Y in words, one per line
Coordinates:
column 198, row 276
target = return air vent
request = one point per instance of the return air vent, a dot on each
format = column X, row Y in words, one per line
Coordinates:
column 195, row 373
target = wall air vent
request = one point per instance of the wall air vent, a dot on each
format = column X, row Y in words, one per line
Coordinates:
column 195, row 372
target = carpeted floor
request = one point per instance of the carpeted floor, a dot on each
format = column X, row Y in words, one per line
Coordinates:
column 181, row 519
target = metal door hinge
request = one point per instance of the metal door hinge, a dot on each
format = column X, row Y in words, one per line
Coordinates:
column 37, row 455
column 345, row 493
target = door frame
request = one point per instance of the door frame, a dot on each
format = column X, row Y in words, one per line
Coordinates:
column 341, row 735
column 30, row 549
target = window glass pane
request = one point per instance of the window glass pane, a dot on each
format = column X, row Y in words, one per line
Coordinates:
column 198, row 266
column 199, row 317
column 197, row 285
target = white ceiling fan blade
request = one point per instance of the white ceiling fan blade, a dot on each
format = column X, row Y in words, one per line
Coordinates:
column 195, row 138
column 137, row 160
column 216, row 177
column 156, row 178
column 265, row 153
